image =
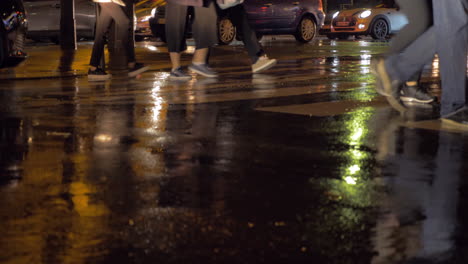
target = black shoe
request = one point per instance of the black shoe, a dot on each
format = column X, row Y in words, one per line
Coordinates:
column 98, row 75
column 137, row 69
column 458, row 118
column 415, row 94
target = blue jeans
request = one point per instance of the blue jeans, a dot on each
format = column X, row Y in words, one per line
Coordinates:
column 448, row 38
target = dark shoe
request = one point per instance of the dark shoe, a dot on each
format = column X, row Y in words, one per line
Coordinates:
column 98, row 75
column 415, row 94
column 386, row 86
column 179, row 75
column 137, row 69
column 203, row 69
column 263, row 63
column 458, row 118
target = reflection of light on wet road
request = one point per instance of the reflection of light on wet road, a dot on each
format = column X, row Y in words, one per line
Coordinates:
column 152, row 48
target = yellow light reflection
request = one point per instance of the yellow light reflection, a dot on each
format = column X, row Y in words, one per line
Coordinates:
column 354, row 169
column 103, row 138
column 350, row 180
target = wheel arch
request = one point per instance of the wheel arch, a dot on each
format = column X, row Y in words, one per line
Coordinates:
column 377, row 17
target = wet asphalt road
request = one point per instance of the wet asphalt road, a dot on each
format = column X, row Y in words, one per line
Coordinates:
column 304, row 163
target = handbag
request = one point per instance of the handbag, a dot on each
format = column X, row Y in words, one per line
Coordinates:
column 225, row 4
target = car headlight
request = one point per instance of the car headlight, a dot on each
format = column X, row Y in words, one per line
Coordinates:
column 335, row 14
column 365, row 14
column 153, row 12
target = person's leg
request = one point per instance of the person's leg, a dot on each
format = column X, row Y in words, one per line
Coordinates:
column 175, row 32
column 419, row 14
column 102, row 25
column 452, row 64
column 238, row 16
column 204, row 29
column 121, row 21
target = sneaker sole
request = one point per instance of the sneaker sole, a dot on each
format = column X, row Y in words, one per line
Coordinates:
column 135, row 73
column 183, row 78
column 455, row 124
column 202, row 73
column 94, row 78
column 265, row 67
column 414, row 100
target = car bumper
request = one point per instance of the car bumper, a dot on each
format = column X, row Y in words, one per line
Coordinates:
column 359, row 27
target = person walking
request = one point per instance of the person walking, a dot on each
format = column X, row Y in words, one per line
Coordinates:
column 204, row 28
column 112, row 10
column 260, row 61
column 448, row 38
column 419, row 15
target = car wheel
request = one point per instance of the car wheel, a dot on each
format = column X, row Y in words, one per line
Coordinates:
column 379, row 29
column 306, row 30
column 226, row 31
column 2, row 50
column 343, row 36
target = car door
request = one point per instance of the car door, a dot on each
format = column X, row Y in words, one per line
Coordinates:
column 285, row 12
column 85, row 15
column 397, row 19
column 43, row 15
column 260, row 13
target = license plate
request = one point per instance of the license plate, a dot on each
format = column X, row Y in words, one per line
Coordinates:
column 342, row 24
column 161, row 21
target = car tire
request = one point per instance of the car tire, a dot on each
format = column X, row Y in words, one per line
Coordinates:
column 379, row 29
column 306, row 30
column 226, row 31
column 2, row 50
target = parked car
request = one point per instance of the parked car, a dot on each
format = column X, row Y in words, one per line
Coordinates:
column 379, row 22
column 301, row 19
column 143, row 14
column 44, row 19
column 12, row 32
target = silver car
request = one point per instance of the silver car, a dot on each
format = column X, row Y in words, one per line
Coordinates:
column 44, row 19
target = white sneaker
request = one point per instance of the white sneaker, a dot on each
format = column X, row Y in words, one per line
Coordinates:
column 263, row 63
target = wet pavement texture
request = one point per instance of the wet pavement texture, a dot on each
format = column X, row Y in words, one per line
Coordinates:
column 304, row 163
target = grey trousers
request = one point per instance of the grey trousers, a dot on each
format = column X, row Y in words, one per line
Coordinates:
column 111, row 12
column 204, row 27
column 448, row 38
column 419, row 14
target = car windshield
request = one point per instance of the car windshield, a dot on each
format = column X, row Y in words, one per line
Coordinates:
column 376, row 3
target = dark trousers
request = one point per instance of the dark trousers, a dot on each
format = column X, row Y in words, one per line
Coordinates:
column 111, row 12
column 238, row 16
column 204, row 26
column 448, row 38
column 419, row 14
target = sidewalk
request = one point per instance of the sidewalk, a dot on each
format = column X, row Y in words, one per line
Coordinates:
column 49, row 61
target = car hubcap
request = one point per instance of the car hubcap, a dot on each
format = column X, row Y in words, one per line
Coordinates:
column 381, row 29
column 226, row 30
column 308, row 29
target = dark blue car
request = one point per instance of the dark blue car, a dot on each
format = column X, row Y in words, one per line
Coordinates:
column 12, row 32
column 300, row 18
